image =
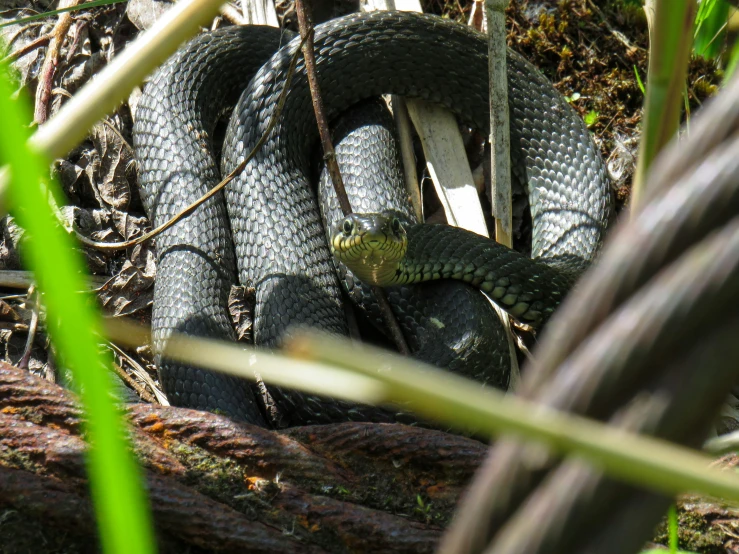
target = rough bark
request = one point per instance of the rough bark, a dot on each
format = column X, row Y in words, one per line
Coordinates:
column 220, row 486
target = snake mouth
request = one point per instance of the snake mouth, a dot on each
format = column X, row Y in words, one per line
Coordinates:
column 370, row 245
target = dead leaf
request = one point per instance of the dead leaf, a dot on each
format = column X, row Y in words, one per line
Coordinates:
column 109, row 170
column 7, row 313
column 143, row 13
column 69, row 175
column 11, row 237
column 131, row 290
column 81, row 62
column 127, row 225
column 241, row 302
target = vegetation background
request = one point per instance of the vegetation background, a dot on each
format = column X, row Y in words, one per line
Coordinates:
column 596, row 54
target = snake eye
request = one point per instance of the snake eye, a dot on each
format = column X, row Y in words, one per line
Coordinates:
column 396, row 225
column 348, row 227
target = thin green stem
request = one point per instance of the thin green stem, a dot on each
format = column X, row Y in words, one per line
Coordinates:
column 450, row 399
column 671, row 31
column 123, row 514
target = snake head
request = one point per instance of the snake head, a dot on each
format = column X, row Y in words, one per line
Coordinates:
column 371, row 246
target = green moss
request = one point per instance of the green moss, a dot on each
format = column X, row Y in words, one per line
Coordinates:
column 394, row 491
column 700, row 526
column 15, row 459
column 220, row 478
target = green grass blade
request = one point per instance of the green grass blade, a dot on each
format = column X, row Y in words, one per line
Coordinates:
column 705, row 7
column 334, row 367
column 686, row 107
column 69, row 126
column 733, row 62
column 36, row 17
column 123, row 514
column 669, row 51
column 710, row 28
column 450, row 399
column 638, row 80
column 672, row 528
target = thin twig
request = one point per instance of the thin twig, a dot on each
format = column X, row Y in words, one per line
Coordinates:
column 141, row 391
column 351, row 319
column 13, row 326
column 306, row 32
column 130, row 381
column 500, row 141
column 76, row 39
column 405, row 138
column 500, row 153
column 18, row 279
column 108, row 246
column 49, row 369
column 388, row 317
column 51, row 63
column 43, row 40
column 6, row 297
column 158, row 396
column 34, row 300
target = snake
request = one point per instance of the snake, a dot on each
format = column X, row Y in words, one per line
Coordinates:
column 266, row 231
column 447, row 324
column 382, row 252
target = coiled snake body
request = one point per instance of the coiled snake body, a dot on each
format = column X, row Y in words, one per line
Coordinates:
column 267, row 229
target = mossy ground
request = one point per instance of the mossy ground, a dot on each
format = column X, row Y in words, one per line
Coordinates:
column 708, row 526
column 595, row 53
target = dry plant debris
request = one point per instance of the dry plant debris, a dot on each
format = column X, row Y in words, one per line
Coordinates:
column 593, row 51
